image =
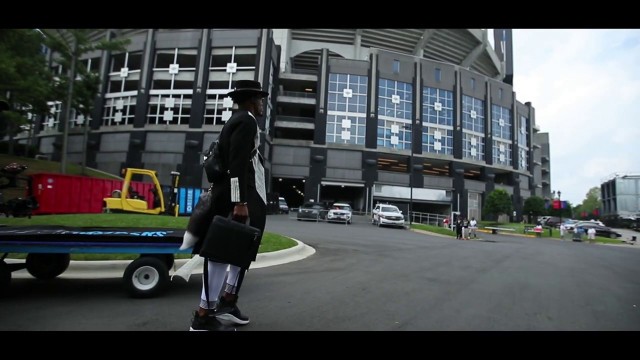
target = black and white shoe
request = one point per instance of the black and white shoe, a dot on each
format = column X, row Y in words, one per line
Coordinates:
column 208, row 323
column 235, row 316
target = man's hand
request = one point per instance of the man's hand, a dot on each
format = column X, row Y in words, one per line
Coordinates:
column 240, row 212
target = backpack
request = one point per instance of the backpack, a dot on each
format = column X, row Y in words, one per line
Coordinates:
column 213, row 164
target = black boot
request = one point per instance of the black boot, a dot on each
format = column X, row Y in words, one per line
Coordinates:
column 228, row 310
column 208, row 323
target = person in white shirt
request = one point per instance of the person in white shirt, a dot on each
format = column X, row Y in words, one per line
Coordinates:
column 473, row 225
column 591, row 234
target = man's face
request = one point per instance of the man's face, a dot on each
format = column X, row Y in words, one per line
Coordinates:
column 259, row 105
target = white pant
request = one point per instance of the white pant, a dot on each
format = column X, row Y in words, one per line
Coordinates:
column 472, row 231
column 217, row 274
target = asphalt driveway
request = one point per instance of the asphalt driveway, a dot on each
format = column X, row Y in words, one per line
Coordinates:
column 367, row 278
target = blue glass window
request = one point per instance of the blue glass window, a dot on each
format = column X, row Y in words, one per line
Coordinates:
column 523, row 143
column 395, row 107
column 437, row 120
column 473, row 138
column 501, row 122
column 346, row 109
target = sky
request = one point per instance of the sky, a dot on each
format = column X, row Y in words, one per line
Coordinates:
column 585, row 88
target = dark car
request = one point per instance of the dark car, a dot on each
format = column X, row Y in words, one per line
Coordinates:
column 552, row 221
column 284, row 208
column 312, row 211
column 600, row 230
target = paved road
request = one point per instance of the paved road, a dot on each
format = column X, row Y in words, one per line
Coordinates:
column 367, row 278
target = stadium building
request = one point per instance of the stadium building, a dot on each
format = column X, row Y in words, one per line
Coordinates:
column 427, row 117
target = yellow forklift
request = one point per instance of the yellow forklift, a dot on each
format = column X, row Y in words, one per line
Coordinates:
column 128, row 200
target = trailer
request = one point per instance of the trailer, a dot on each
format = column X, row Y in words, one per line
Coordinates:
column 49, row 250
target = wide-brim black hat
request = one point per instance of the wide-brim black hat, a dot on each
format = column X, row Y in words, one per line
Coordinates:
column 247, row 87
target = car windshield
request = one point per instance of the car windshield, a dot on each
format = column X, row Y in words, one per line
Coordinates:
column 311, row 206
column 389, row 209
column 341, row 207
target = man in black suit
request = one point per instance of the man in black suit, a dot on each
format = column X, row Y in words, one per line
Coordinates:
column 243, row 195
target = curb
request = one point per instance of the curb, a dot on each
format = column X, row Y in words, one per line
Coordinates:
column 296, row 253
column 115, row 268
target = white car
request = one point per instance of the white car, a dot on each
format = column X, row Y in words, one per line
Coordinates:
column 384, row 214
column 340, row 212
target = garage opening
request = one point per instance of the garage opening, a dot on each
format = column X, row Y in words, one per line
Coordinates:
column 291, row 189
column 343, row 192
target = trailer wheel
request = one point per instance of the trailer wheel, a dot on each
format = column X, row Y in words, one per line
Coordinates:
column 47, row 266
column 5, row 277
column 145, row 277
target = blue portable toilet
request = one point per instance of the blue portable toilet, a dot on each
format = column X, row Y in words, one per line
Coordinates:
column 187, row 199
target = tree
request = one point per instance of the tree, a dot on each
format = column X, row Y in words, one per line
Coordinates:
column 534, row 206
column 498, row 202
column 24, row 79
column 71, row 45
column 591, row 202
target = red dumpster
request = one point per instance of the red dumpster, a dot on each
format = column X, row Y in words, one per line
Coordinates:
column 71, row 194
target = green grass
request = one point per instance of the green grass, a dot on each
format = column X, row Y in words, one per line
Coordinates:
column 434, row 229
column 41, row 166
column 555, row 233
column 604, row 240
column 38, row 166
column 270, row 241
column 518, row 227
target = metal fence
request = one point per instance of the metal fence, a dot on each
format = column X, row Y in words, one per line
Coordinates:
column 363, row 217
column 427, row 218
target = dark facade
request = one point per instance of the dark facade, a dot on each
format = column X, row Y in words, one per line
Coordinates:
column 357, row 122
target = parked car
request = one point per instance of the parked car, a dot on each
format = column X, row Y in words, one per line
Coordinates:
column 384, row 214
column 600, row 230
column 340, row 212
column 552, row 221
column 569, row 224
column 584, row 222
column 543, row 219
column 312, row 211
column 282, row 204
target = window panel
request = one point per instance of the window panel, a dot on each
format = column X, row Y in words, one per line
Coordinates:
column 164, row 58
column 122, row 88
column 341, row 108
column 501, row 122
column 523, row 143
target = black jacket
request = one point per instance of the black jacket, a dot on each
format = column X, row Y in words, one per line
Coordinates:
column 237, row 142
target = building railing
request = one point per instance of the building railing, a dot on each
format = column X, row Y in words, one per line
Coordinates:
column 359, row 217
column 299, row 119
column 427, row 218
column 299, row 94
column 304, row 71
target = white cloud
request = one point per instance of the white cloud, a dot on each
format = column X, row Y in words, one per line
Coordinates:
column 584, row 86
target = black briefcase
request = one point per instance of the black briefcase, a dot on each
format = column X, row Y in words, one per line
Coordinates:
column 231, row 242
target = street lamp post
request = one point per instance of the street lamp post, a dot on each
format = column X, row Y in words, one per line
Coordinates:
column 411, row 186
column 559, row 203
column 410, row 127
